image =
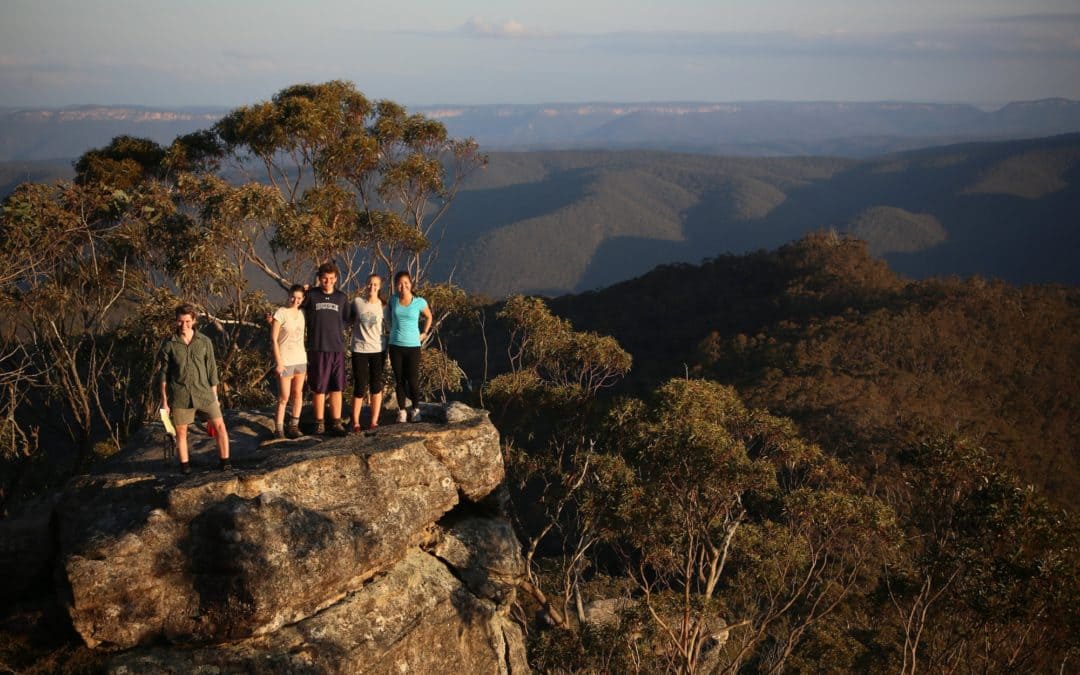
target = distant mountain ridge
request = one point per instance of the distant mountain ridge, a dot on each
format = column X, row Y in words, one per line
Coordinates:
column 757, row 128
column 111, row 112
column 28, row 134
column 572, row 221
column 754, row 128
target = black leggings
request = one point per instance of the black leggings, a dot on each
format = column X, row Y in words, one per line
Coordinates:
column 367, row 371
column 406, row 364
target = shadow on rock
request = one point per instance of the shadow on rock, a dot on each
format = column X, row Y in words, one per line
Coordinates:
column 247, row 557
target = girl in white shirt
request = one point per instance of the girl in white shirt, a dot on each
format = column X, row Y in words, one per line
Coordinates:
column 290, row 361
column 369, row 351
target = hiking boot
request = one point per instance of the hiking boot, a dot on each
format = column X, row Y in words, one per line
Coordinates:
column 293, row 431
column 320, row 427
column 279, row 433
column 402, row 416
column 337, row 429
column 356, row 428
column 414, row 415
column 185, row 468
column 225, row 465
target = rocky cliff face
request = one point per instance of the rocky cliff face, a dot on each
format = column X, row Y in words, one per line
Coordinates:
column 375, row 553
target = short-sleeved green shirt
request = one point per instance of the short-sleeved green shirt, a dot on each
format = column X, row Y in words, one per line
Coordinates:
column 189, row 371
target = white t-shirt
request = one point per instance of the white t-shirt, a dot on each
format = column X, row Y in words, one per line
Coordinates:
column 291, row 336
column 367, row 329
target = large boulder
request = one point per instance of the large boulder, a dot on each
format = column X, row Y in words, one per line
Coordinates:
column 418, row 618
column 335, row 553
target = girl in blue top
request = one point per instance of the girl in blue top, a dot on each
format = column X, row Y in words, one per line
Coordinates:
column 405, row 341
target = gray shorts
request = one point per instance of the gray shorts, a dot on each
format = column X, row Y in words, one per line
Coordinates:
column 298, row 369
column 185, row 416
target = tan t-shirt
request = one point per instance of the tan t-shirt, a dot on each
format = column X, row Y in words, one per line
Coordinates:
column 291, row 336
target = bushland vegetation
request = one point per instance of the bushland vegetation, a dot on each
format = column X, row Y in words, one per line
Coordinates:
column 910, row 511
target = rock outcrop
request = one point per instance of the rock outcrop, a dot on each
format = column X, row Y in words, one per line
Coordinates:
column 370, row 553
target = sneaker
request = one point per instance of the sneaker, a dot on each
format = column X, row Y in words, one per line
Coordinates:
column 336, row 428
column 226, row 465
column 292, row 431
column 402, row 416
column 414, row 415
column 373, row 426
column 320, row 427
column 356, row 428
column 185, row 468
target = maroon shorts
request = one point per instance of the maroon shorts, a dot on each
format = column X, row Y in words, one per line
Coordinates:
column 326, row 372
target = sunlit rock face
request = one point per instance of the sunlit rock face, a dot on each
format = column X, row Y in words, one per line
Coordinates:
column 373, row 553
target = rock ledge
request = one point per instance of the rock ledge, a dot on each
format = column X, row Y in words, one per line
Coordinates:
column 342, row 555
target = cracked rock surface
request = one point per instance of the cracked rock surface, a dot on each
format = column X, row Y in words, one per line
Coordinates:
column 358, row 554
column 417, row 618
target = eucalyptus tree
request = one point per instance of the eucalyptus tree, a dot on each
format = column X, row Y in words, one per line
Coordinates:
column 76, row 259
column 362, row 181
column 555, row 373
column 197, row 233
column 739, row 536
column 991, row 578
column 551, row 361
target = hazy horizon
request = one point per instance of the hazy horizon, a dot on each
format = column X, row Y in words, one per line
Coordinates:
column 985, row 106
column 58, row 53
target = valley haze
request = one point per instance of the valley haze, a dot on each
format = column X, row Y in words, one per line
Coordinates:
column 749, row 128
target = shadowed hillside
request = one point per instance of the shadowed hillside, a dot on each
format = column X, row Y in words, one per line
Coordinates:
column 572, row 221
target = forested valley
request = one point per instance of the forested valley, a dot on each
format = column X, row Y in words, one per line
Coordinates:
column 790, row 460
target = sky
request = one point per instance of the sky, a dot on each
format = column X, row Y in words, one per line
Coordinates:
column 424, row 52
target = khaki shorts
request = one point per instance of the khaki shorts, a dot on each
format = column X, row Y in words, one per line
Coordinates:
column 185, row 416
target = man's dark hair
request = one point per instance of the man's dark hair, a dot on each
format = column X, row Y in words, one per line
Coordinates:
column 186, row 308
column 328, row 268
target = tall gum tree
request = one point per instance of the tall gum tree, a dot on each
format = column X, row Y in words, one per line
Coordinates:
column 740, row 536
column 362, row 182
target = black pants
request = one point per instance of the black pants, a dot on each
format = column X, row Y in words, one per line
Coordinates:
column 406, row 364
column 367, row 370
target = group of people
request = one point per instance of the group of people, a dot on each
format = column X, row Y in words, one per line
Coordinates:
column 323, row 313
column 307, row 340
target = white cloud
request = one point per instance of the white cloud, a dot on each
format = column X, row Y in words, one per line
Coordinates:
column 250, row 62
column 511, row 28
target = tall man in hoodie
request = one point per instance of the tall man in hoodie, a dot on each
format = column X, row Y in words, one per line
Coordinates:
column 326, row 312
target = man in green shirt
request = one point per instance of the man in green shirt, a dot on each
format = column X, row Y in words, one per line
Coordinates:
column 189, row 380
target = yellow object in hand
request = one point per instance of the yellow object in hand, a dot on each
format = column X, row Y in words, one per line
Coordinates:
column 169, row 428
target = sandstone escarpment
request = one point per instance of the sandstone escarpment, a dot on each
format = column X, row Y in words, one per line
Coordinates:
column 366, row 553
